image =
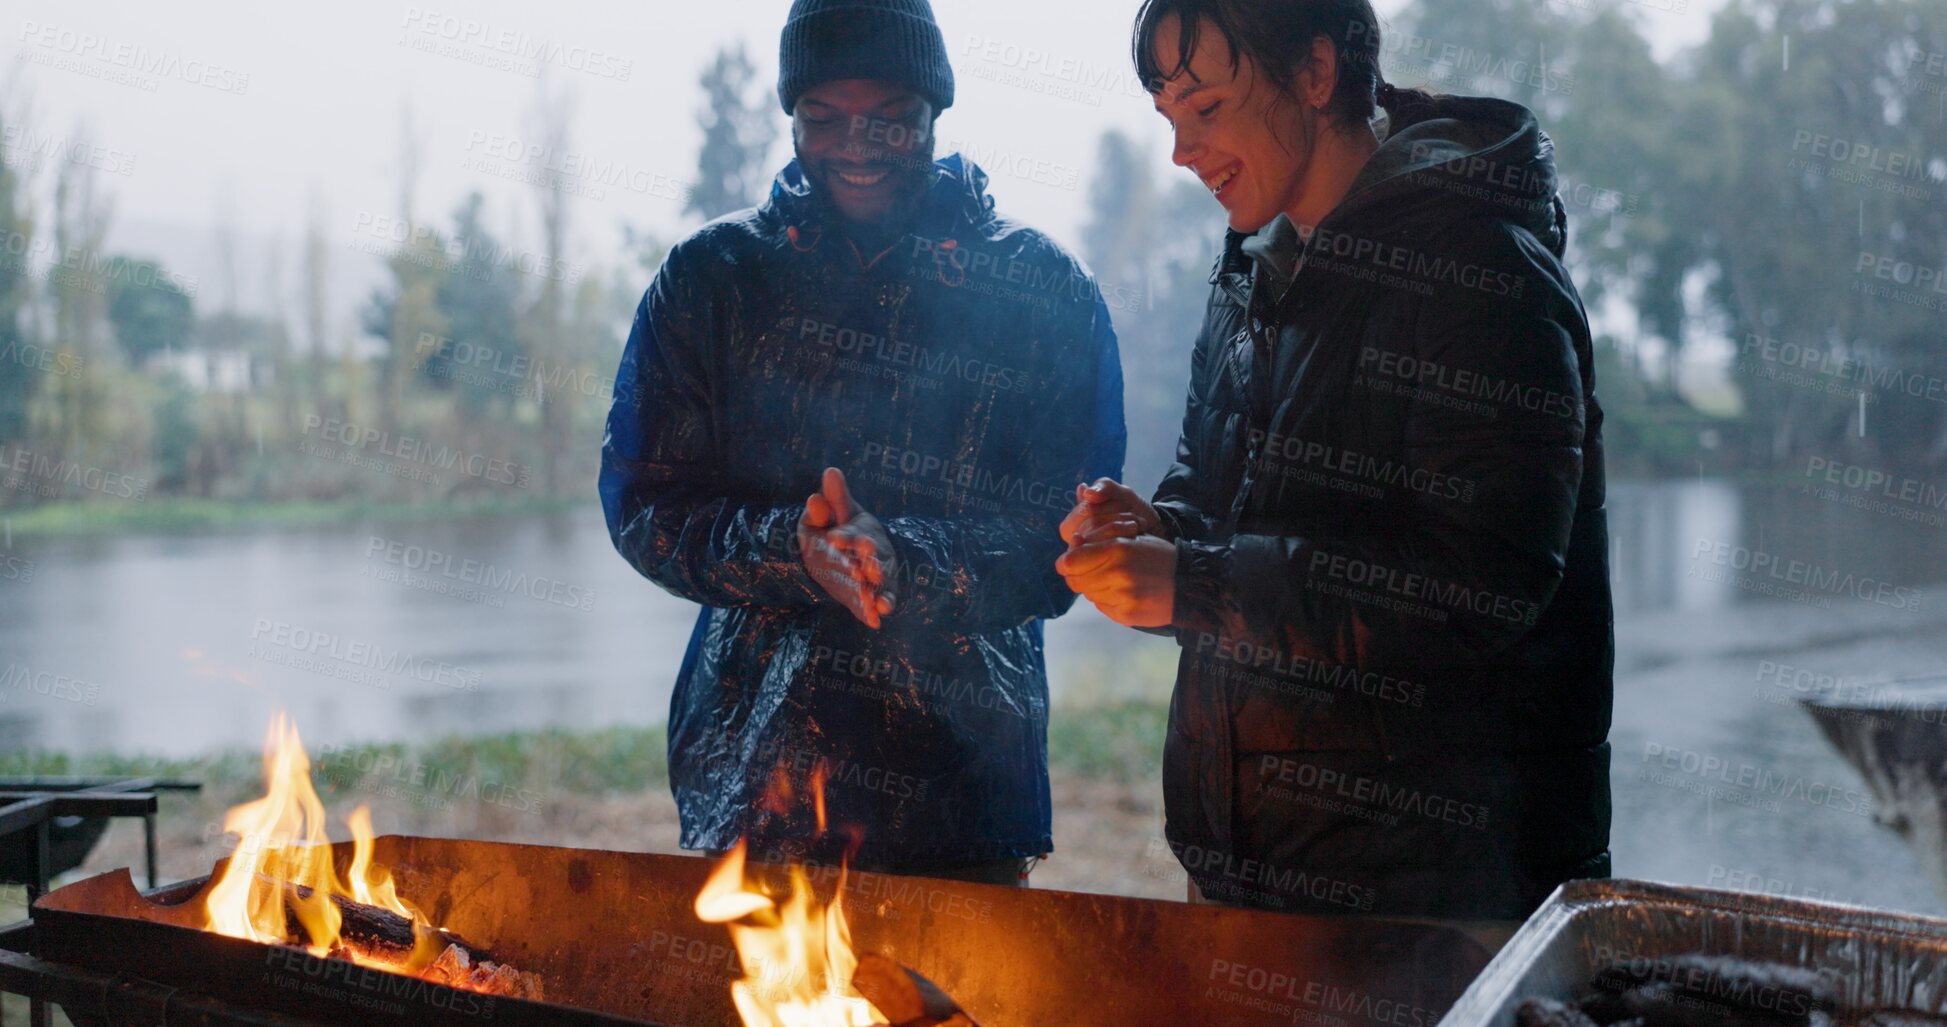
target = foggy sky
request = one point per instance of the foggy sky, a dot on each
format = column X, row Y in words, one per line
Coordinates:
column 251, row 114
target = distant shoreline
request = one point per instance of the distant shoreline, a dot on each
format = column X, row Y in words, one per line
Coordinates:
column 97, row 518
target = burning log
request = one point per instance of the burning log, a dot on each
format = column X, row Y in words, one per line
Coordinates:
column 382, row 936
column 906, row 998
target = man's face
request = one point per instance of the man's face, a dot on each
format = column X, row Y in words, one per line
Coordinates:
column 1246, row 145
column 867, row 144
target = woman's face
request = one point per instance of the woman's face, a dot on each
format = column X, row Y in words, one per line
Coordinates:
column 1250, row 147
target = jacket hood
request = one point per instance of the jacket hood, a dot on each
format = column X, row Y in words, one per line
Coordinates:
column 956, row 198
column 1464, row 156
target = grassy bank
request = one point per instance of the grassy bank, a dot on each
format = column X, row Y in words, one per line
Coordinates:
column 54, row 519
column 1111, row 742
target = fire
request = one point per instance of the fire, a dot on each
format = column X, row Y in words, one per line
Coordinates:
column 797, row 956
column 282, row 869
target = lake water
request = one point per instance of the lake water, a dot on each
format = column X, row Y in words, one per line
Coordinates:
column 181, row 643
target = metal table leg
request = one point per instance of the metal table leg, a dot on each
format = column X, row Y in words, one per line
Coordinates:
column 148, row 846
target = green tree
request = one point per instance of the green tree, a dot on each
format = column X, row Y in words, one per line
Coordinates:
column 478, row 301
column 148, row 311
column 177, row 437
column 404, row 312
column 737, row 135
column 1776, row 223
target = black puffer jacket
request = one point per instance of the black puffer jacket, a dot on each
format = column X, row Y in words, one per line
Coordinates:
column 1392, row 576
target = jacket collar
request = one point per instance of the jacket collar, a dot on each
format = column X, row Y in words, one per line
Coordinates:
column 956, row 204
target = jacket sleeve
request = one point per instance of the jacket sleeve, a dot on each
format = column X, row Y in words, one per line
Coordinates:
column 976, row 574
column 1182, row 499
column 671, row 512
column 1448, row 575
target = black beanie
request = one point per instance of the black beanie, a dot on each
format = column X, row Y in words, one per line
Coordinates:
column 887, row 40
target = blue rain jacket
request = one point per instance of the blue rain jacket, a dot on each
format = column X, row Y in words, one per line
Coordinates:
column 965, row 381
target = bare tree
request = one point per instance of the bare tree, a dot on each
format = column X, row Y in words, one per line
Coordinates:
column 553, row 117
column 81, row 219
column 317, row 300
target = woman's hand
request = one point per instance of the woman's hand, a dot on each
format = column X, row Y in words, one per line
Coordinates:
column 1131, row 580
column 1108, row 509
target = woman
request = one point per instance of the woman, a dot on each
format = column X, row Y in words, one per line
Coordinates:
column 1382, row 546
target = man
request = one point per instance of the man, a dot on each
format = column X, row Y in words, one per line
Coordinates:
column 867, row 671
column 1382, row 546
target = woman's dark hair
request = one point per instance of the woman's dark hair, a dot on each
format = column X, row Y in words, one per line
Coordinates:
column 1277, row 36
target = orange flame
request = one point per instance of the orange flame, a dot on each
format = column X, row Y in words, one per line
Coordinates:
column 283, row 861
column 797, row 957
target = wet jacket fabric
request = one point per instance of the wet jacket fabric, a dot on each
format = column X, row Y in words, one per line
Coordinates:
column 964, row 380
column 1392, row 579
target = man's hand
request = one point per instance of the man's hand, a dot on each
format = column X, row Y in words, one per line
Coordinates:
column 847, row 551
column 1132, row 580
column 1108, row 509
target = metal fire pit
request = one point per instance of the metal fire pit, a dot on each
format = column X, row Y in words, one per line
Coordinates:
column 615, row 939
column 1877, row 958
